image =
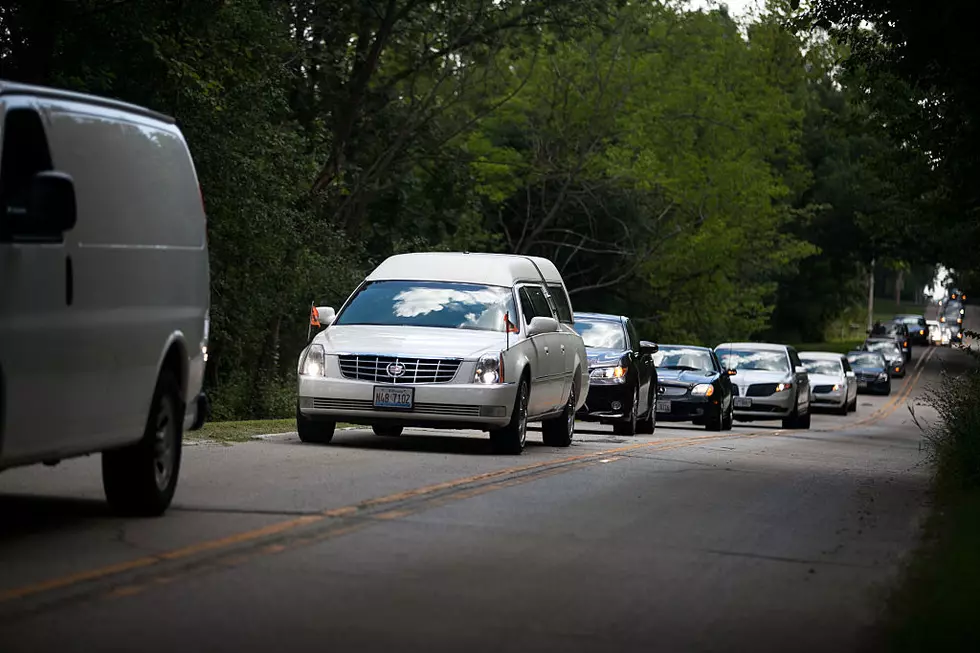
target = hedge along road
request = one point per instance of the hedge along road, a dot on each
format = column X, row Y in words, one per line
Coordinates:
column 683, row 540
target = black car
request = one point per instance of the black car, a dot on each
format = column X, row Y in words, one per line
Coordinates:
column 622, row 376
column 693, row 387
column 951, row 315
column 871, row 370
column 918, row 329
column 891, row 351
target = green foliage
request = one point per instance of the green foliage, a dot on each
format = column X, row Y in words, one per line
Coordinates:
column 714, row 180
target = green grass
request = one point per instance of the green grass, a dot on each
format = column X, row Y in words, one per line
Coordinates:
column 886, row 309
column 839, row 346
column 934, row 609
column 242, row 431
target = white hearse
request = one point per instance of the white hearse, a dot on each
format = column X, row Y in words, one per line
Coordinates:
column 448, row 340
column 104, row 290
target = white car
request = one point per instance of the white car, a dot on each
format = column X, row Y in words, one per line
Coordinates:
column 448, row 340
column 833, row 382
column 770, row 383
column 104, row 290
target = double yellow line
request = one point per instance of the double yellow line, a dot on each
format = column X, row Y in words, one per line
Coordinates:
column 302, row 530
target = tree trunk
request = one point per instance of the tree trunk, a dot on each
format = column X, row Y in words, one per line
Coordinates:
column 899, row 283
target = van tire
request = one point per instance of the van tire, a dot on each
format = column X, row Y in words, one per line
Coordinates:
column 140, row 480
column 314, row 431
column 559, row 431
column 512, row 438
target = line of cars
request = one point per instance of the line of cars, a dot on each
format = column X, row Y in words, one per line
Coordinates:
column 490, row 342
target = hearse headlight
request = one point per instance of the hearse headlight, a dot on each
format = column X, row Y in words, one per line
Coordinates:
column 314, row 363
column 489, row 369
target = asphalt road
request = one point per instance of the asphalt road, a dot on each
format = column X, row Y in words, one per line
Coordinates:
column 680, row 541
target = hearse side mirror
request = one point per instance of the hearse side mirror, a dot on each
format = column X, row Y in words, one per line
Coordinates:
column 541, row 325
column 648, row 348
column 327, row 315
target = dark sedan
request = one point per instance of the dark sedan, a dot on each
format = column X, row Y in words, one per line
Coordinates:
column 693, row 387
column 901, row 335
column 872, row 373
column 622, row 377
column 890, row 351
column 918, row 329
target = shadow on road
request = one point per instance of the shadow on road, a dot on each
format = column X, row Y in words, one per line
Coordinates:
column 25, row 514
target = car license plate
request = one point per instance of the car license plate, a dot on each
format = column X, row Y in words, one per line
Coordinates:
column 663, row 406
column 743, row 402
column 393, row 398
column 862, row 384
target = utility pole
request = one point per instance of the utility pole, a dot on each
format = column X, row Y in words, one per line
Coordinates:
column 871, row 295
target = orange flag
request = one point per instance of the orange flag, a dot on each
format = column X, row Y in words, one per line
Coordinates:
column 314, row 316
column 510, row 326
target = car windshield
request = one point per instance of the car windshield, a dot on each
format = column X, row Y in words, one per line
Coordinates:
column 912, row 320
column 886, row 348
column 866, row 360
column 601, row 334
column 671, row 357
column 760, row 359
column 822, row 366
column 430, row 304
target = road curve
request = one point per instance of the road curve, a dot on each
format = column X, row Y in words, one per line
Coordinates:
column 680, row 541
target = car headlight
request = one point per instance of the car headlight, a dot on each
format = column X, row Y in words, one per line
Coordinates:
column 602, row 375
column 314, row 363
column 489, row 369
column 782, row 387
column 703, row 390
column 883, row 376
column 835, row 388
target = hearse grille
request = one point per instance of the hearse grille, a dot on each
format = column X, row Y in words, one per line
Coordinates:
column 391, row 369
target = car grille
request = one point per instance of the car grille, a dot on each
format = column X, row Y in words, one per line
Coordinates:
column 761, row 390
column 867, row 377
column 459, row 410
column 365, row 367
column 822, row 389
column 672, row 391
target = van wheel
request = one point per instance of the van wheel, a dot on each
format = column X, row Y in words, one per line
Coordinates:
column 314, row 431
column 387, row 431
column 141, row 479
column 511, row 438
column 559, row 431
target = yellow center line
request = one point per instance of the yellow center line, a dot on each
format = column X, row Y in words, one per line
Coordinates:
column 506, row 478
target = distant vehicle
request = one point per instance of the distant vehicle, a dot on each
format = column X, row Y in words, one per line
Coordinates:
column 917, row 327
column 951, row 315
column 900, row 334
column 955, row 295
column 833, row 381
column 872, row 372
column 450, row 340
column 938, row 334
column 105, row 290
column 622, row 376
column 694, row 387
column 891, row 352
column 770, row 383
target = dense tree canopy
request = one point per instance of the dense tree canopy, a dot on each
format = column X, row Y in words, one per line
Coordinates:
column 713, row 178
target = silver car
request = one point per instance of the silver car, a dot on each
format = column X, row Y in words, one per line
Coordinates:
column 448, row 340
column 833, row 382
column 769, row 382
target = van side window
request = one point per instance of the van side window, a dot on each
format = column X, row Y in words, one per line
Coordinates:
column 560, row 298
column 25, row 153
column 534, row 303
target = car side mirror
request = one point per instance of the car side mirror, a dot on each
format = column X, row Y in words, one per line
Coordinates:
column 541, row 325
column 800, row 369
column 50, row 210
column 327, row 315
column 648, row 348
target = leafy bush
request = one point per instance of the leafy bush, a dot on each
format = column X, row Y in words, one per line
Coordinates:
column 954, row 439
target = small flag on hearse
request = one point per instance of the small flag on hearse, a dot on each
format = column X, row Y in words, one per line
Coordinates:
column 510, row 326
column 314, row 315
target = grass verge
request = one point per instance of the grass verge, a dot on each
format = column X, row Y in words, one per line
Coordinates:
column 934, row 609
column 241, row 431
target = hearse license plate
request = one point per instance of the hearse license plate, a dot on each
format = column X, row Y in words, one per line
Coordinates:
column 393, row 398
column 663, row 406
column 743, row 402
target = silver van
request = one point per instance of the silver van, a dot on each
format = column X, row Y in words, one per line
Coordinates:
column 104, row 290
